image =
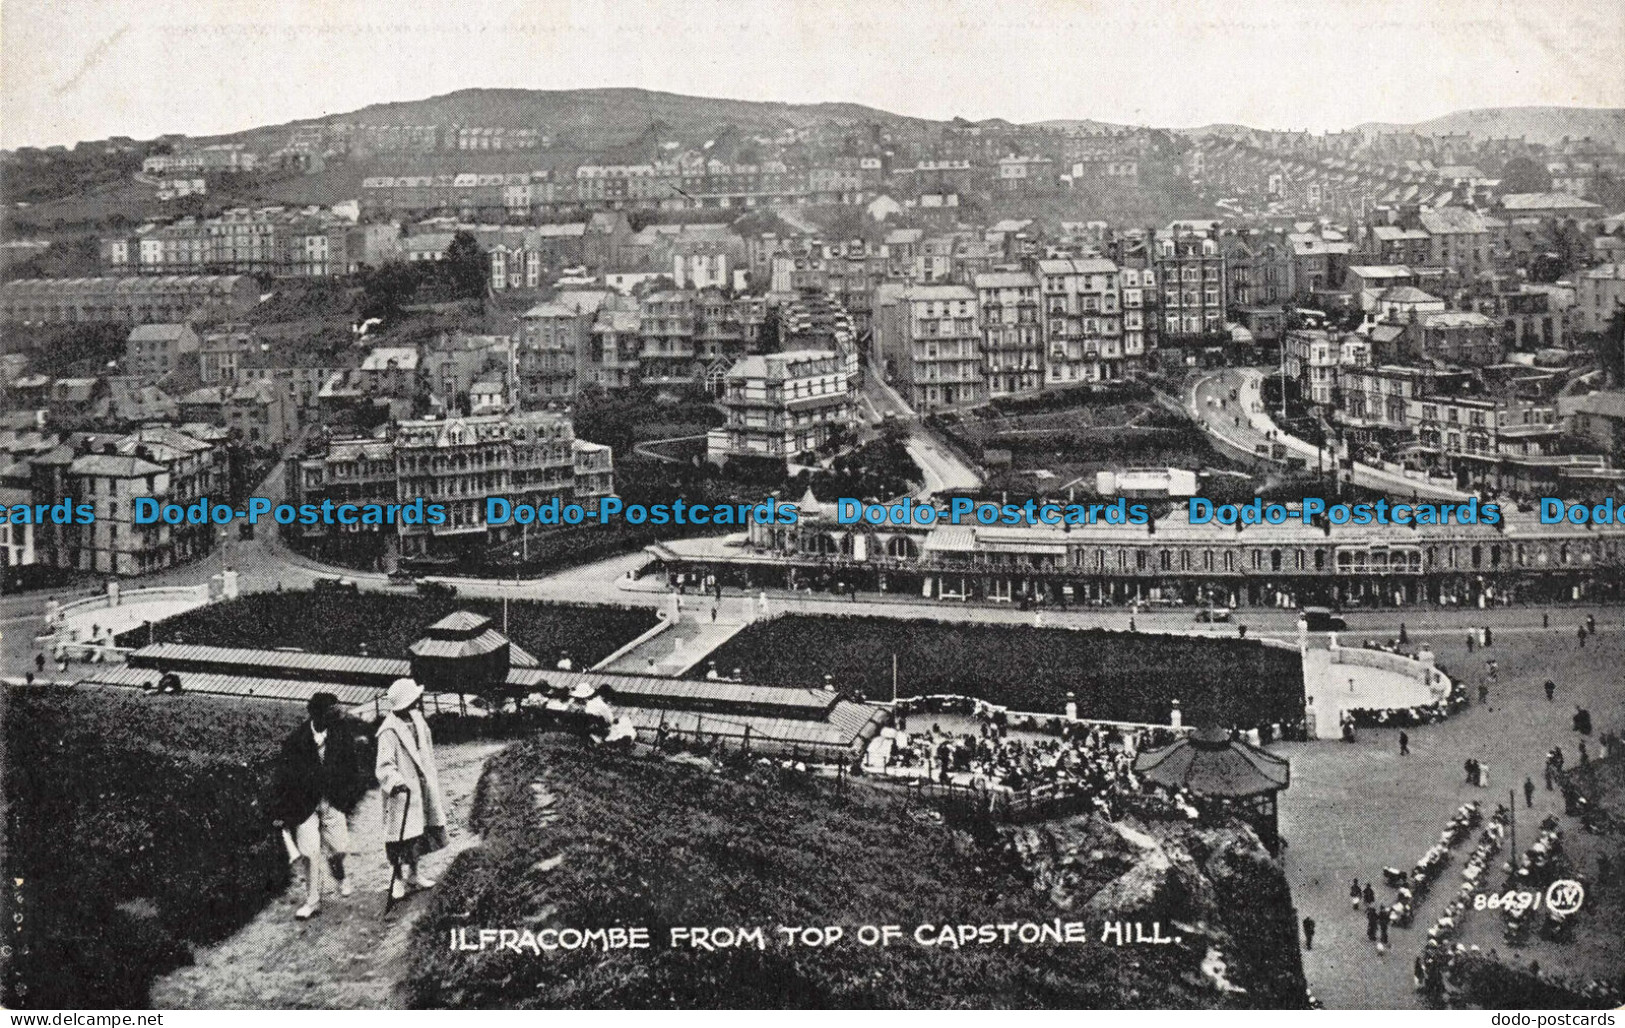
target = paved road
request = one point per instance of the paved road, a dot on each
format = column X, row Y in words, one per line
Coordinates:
column 1244, row 423
column 943, row 471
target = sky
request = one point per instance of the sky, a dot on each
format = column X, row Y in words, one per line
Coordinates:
column 86, row 69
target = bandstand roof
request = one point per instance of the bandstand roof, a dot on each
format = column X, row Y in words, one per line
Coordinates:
column 1210, row 763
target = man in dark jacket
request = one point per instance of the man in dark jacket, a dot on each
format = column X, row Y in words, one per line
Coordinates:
column 317, row 785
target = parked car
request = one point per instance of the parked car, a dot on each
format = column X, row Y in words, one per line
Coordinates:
column 401, row 576
column 1321, row 619
column 335, row 585
column 1214, row 615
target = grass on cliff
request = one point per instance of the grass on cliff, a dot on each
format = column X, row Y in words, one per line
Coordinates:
column 134, row 824
column 634, row 841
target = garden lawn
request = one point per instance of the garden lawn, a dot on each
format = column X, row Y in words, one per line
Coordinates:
column 387, row 624
column 1116, row 676
column 134, row 824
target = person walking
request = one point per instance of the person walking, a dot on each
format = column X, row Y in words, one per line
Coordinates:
column 1308, row 933
column 1469, row 642
column 1382, row 928
column 1354, row 894
column 1404, row 743
column 1545, row 621
column 1591, row 625
column 1549, row 774
column 1581, row 633
column 315, row 789
column 1529, row 790
column 1489, row 637
column 1551, row 690
column 1371, row 923
column 414, row 807
column 1369, row 895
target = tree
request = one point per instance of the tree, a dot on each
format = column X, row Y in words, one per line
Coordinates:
column 466, row 266
column 1523, row 175
column 1611, row 347
column 388, row 288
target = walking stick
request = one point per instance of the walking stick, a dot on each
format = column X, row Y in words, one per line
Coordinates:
column 395, row 865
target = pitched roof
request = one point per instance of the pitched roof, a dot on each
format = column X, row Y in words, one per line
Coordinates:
column 156, row 333
column 1547, row 201
column 110, row 466
column 1444, row 221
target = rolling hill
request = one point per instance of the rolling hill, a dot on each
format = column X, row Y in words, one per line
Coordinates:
column 1537, row 124
column 602, row 118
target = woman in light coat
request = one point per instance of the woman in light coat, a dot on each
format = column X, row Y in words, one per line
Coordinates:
column 414, row 808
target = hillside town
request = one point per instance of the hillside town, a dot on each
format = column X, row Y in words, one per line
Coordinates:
column 1418, row 311
column 1131, row 719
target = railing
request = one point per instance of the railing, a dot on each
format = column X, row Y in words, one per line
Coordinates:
column 1419, row 671
column 122, row 598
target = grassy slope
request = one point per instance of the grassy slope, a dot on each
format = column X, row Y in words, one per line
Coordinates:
column 134, row 823
column 656, row 844
column 388, row 624
column 1116, row 676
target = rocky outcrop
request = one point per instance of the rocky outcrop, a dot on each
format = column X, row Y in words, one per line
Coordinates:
column 1215, row 888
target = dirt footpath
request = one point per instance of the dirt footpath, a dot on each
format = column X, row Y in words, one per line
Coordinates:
column 349, row 955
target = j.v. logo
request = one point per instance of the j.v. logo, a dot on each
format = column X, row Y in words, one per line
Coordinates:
column 1564, row 896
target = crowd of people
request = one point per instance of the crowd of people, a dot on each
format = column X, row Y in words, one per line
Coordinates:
column 1083, row 760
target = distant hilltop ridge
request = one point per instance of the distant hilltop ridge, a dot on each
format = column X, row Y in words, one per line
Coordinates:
column 607, row 117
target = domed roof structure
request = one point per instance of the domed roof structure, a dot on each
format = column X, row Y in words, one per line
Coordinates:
column 1210, row 763
column 1226, row 777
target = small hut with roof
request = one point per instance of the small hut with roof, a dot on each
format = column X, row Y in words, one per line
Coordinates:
column 1225, row 775
column 464, row 654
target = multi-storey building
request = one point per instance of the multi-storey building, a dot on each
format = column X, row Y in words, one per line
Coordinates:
column 1452, row 426
column 223, row 157
column 1012, row 332
column 667, row 330
column 1190, row 271
column 614, row 356
column 815, row 320
column 1083, row 321
column 1314, row 357
column 783, row 404
column 929, row 343
column 1460, row 239
column 222, row 353
column 1139, row 303
column 166, row 464
column 459, row 462
column 1599, row 295
column 153, row 351
column 1463, row 338
column 1377, row 397
column 554, row 340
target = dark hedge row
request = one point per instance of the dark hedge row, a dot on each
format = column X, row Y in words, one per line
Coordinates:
column 1117, row 676
column 387, row 624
